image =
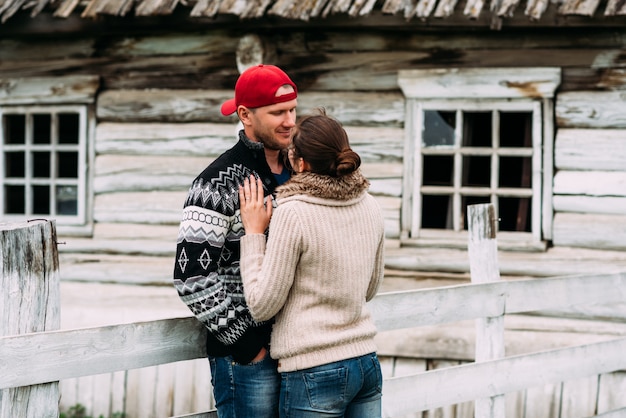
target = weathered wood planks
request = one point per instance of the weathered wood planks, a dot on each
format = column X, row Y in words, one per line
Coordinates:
column 590, row 149
column 29, row 302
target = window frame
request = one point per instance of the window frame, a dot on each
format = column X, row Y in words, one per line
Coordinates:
column 30, row 148
column 489, row 89
column 56, row 95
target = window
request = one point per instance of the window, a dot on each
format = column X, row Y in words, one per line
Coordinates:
column 43, row 164
column 471, row 156
column 478, row 136
column 46, row 150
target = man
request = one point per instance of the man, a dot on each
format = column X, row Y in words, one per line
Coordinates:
column 245, row 381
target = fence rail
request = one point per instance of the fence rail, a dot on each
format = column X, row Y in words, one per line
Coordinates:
column 49, row 356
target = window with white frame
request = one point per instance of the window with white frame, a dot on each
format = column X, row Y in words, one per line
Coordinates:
column 46, row 155
column 43, row 163
column 478, row 136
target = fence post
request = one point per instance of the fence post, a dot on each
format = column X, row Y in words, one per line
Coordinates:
column 29, row 302
column 483, row 258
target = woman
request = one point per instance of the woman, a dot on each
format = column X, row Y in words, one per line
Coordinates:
column 322, row 261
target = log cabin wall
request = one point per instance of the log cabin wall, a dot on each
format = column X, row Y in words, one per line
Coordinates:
column 156, row 122
column 590, row 161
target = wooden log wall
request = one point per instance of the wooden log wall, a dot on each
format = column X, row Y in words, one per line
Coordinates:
column 590, row 170
column 158, row 123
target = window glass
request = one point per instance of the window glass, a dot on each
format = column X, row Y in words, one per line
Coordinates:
column 41, row 128
column 437, row 211
column 514, row 213
column 515, row 172
column 41, row 164
column 439, row 127
column 438, row 170
column 67, row 200
column 14, row 164
column 477, row 129
column 69, row 124
column 476, row 171
column 14, row 197
column 515, row 129
column 14, row 129
column 41, row 200
column 67, row 164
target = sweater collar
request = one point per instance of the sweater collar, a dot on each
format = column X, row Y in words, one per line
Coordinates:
column 321, row 186
column 253, row 145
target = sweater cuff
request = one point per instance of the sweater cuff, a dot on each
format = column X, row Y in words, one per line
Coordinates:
column 253, row 244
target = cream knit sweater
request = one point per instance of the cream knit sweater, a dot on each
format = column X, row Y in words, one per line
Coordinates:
column 323, row 260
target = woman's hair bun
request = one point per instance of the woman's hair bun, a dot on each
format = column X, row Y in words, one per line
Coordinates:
column 347, row 162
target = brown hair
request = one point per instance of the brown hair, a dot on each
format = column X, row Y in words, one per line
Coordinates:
column 323, row 143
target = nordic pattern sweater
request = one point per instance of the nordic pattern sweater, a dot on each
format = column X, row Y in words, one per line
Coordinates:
column 206, row 271
column 322, row 261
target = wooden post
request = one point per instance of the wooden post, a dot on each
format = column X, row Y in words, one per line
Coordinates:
column 483, row 258
column 30, row 301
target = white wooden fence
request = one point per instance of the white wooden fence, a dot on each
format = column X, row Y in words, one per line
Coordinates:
column 42, row 357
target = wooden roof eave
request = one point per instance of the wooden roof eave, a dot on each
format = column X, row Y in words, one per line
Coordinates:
column 287, row 9
column 615, row 7
column 293, row 10
column 65, row 8
column 290, row 9
column 445, row 8
column 8, row 8
column 107, row 7
column 298, row 10
column 579, row 7
column 424, row 8
column 205, row 8
column 155, row 7
column 536, row 8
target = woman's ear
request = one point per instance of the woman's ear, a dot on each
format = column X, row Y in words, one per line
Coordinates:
column 304, row 166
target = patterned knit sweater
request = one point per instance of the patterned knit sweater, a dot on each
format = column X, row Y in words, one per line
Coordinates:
column 206, row 272
column 323, row 260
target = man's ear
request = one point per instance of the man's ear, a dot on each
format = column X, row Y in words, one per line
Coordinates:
column 244, row 115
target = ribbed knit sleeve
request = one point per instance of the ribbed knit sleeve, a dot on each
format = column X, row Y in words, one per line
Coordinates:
column 378, row 271
column 268, row 275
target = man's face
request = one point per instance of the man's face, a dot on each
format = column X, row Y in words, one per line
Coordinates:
column 273, row 125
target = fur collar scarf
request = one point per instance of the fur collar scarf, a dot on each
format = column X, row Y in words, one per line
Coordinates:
column 346, row 187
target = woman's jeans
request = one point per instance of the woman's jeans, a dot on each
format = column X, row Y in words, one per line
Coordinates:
column 349, row 388
column 245, row 390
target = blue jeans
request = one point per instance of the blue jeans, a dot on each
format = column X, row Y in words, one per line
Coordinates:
column 245, row 390
column 349, row 388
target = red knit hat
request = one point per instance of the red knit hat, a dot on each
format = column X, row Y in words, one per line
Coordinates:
column 257, row 86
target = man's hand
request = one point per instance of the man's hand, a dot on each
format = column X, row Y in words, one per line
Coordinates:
column 260, row 356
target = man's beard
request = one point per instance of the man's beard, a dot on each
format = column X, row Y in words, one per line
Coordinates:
column 268, row 141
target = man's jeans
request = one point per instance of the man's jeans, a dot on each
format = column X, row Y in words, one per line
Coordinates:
column 349, row 388
column 245, row 391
